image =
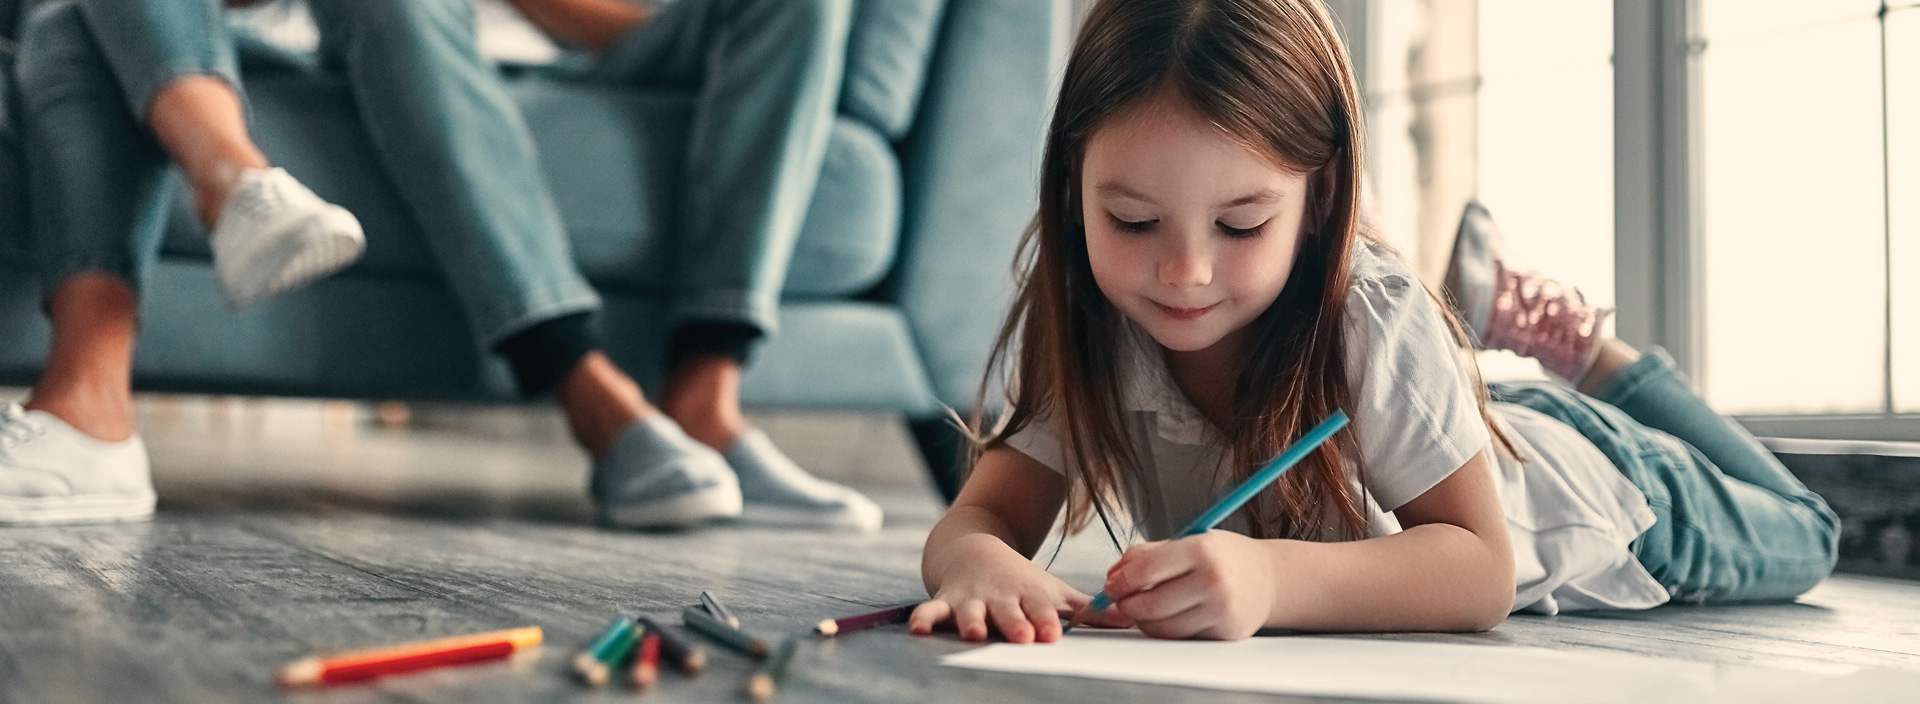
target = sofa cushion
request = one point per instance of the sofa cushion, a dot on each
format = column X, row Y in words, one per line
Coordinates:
column 408, row 340
column 888, row 50
column 612, row 157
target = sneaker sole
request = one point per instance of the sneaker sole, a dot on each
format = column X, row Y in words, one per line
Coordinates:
column 683, row 511
column 59, row 510
column 297, row 262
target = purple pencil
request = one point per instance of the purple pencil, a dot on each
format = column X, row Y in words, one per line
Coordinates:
column 833, row 627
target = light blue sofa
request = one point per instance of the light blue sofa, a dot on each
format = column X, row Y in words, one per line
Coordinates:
column 897, row 286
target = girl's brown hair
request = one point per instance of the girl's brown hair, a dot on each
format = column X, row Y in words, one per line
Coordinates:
column 1274, row 75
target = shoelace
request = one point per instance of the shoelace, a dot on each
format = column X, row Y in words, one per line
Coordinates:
column 16, row 428
column 260, row 199
column 1538, row 317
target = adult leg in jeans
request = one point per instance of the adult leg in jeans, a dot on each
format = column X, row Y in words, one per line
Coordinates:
column 460, row 153
column 766, row 80
column 97, row 200
column 766, row 75
column 174, row 64
column 107, row 105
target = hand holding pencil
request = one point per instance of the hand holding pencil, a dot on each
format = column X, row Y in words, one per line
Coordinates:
column 1205, row 583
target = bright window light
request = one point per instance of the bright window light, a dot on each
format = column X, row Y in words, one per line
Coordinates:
column 1795, row 209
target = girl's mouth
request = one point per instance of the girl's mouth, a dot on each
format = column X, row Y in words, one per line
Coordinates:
column 1183, row 314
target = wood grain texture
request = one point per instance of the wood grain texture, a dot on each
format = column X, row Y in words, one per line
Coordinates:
column 202, row 605
column 264, row 552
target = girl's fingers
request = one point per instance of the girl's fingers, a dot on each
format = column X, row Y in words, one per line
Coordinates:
column 1012, row 620
column 1186, row 624
column 1163, row 600
column 1109, row 618
column 1045, row 620
column 970, row 618
column 928, row 615
column 1070, row 600
column 1146, row 571
column 1134, row 553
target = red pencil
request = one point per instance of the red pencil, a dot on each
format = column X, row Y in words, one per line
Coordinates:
column 862, row 622
column 646, row 665
column 376, row 662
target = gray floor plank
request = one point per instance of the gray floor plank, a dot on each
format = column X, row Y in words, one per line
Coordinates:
column 267, row 550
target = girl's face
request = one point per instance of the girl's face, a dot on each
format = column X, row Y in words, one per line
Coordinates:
column 1190, row 233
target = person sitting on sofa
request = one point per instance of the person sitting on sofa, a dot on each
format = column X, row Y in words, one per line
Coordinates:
column 457, row 150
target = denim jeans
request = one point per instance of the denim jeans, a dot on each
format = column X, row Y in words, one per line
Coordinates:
column 96, row 186
column 440, row 122
column 766, row 79
column 1732, row 523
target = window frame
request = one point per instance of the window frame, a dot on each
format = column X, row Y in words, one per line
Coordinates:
column 1658, row 253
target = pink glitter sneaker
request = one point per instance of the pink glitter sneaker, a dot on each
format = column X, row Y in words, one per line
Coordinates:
column 1511, row 307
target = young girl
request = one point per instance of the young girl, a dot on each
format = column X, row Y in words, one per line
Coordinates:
column 1198, row 294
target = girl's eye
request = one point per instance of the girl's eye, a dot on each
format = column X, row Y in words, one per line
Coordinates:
column 1133, row 226
column 1240, row 232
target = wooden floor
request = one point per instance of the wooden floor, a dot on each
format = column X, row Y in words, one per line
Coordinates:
column 274, row 544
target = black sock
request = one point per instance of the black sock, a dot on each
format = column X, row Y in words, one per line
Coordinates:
column 543, row 355
column 731, row 340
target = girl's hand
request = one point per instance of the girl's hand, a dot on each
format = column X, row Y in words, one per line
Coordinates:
column 1220, row 585
column 999, row 587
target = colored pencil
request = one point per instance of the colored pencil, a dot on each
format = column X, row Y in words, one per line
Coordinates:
column 884, row 617
column 646, row 665
column 707, row 625
column 390, row 660
column 719, row 610
column 766, row 681
column 684, row 654
column 1249, row 488
column 596, row 662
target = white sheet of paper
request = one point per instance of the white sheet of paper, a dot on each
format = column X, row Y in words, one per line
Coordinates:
column 1385, row 669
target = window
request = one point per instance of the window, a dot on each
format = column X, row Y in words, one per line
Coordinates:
column 1546, row 135
column 1794, row 243
column 1740, row 177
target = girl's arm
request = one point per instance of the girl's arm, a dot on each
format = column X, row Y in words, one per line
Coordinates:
column 1451, row 569
column 978, row 561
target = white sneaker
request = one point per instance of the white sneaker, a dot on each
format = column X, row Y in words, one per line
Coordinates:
column 656, row 477
column 274, row 235
column 51, row 473
column 778, row 492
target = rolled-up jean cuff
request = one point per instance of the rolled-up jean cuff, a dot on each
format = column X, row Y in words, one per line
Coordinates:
column 1653, row 363
column 500, row 325
column 727, row 306
column 141, row 90
column 55, row 271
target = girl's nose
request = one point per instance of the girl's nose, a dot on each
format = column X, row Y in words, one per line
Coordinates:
column 1186, row 265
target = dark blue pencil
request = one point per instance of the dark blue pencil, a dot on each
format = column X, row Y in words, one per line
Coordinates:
column 1252, row 486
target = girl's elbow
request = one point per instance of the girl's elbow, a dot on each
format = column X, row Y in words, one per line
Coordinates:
column 1488, row 617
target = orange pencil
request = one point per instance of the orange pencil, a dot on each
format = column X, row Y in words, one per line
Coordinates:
column 376, row 662
column 646, row 665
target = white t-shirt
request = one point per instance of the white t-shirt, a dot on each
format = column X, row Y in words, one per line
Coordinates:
column 1572, row 515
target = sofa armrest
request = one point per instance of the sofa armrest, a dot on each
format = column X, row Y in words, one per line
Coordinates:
column 970, row 166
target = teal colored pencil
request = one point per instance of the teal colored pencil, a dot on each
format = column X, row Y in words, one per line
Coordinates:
column 1252, row 486
column 605, row 652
